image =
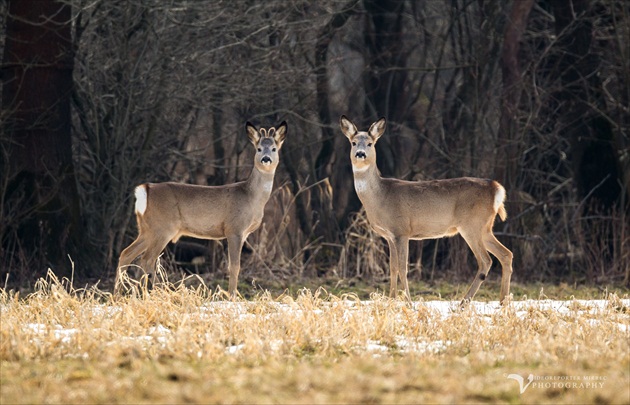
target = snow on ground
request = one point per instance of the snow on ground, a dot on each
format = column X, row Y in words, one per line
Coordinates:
column 444, row 309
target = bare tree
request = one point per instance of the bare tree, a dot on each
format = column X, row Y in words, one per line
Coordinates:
column 531, row 93
column 590, row 133
column 509, row 142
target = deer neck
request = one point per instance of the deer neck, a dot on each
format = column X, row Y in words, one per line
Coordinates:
column 367, row 183
column 259, row 184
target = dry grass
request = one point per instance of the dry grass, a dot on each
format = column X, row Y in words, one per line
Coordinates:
column 174, row 345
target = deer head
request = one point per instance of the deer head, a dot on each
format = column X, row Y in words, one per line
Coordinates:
column 362, row 154
column 267, row 142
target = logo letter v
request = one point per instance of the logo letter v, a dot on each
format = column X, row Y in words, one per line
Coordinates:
column 520, row 381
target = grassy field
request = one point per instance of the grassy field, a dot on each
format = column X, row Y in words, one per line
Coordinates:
column 176, row 345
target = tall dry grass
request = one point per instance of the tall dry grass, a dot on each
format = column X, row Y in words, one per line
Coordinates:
column 178, row 344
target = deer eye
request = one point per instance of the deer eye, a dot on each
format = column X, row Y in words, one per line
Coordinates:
column 259, row 150
column 369, row 145
column 273, row 150
column 354, row 143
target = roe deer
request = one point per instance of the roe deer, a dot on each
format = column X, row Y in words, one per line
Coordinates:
column 400, row 210
column 167, row 211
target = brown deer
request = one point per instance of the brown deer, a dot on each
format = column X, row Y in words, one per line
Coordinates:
column 167, row 211
column 401, row 210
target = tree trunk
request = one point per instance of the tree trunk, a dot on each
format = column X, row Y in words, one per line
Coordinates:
column 385, row 85
column 40, row 205
column 596, row 168
column 325, row 225
column 509, row 145
column 220, row 173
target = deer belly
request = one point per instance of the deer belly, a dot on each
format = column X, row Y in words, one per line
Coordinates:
column 207, row 233
column 434, row 233
column 208, row 228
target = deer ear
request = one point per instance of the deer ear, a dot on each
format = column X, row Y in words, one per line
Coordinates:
column 377, row 129
column 347, row 127
column 252, row 133
column 280, row 134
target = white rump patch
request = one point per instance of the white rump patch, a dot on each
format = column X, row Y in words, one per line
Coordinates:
column 141, row 199
column 499, row 197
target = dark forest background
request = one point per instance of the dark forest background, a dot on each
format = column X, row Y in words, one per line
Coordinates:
column 101, row 95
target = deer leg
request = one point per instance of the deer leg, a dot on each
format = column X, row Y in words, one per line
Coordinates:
column 402, row 246
column 484, row 262
column 235, row 246
column 505, row 256
column 150, row 257
column 393, row 268
column 127, row 256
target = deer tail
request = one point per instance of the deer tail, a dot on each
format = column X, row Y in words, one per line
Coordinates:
column 499, row 200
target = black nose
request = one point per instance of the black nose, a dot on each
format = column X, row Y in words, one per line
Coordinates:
column 265, row 159
column 360, row 155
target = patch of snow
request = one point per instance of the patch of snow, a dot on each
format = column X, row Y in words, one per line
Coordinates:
column 234, row 349
column 61, row 334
